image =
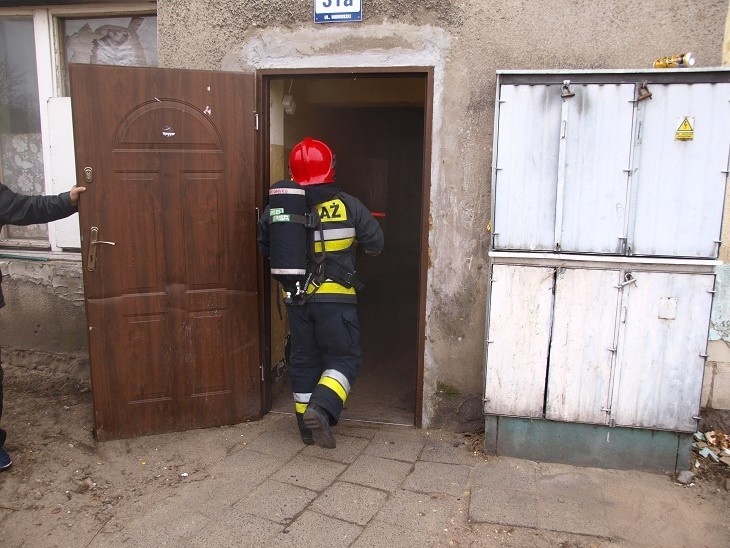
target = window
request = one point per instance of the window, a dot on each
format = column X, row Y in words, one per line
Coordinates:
column 125, row 41
column 21, row 147
column 36, row 46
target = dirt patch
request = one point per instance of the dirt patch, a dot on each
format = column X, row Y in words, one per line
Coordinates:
column 63, row 484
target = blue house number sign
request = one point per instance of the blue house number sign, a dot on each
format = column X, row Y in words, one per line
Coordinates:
column 337, row 11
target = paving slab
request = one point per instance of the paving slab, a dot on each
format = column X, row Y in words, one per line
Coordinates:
column 379, row 533
column 436, row 477
column 347, row 450
column 276, row 501
column 310, row 472
column 418, row 512
column 362, row 502
column 315, row 529
column 235, row 529
column 396, row 446
column 249, row 466
column 276, row 442
column 163, row 526
column 377, row 472
column 446, row 452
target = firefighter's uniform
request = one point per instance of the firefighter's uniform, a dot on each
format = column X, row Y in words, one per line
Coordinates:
column 323, row 323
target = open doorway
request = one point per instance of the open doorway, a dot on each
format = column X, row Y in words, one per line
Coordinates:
column 376, row 124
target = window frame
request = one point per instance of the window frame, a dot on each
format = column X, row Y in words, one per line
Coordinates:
column 50, row 63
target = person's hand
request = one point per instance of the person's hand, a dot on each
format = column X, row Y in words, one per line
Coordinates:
column 75, row 193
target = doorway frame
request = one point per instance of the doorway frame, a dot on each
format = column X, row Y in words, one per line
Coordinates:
column 263, row 81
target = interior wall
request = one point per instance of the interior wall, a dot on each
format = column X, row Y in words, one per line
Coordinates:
column 278, row 170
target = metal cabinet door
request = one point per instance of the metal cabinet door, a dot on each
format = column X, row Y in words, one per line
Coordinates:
column 661, row 351
column 593, row 172
column 679, row 186
column 528, row 139
column 582, row 349
column 520, row 314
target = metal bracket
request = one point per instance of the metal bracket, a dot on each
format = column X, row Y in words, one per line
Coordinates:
column 643, row 92
column 565, row 91
column 629, row 280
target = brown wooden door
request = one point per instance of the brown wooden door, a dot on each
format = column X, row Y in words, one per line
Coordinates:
column 172, row 306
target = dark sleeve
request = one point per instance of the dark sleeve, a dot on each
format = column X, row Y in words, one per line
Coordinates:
column 19, row 209
column 367, row 229
column 263, row 239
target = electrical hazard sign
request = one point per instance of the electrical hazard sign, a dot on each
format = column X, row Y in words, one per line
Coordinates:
column 685, row 129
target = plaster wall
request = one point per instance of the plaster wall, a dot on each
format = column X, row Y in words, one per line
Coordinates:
column 465, row 43
column 43, row 325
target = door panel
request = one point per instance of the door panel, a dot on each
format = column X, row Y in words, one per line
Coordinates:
column 172, row 306
column 598, row 135
column 680, row 184
column 527, row 167
column 520, row 315
column 661, row 354
column 582, row 345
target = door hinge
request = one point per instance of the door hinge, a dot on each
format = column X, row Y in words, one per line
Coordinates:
column 256, row 120
column 261, row 367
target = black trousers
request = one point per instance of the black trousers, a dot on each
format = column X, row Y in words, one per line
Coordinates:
column 2, row 432
column 325, row 354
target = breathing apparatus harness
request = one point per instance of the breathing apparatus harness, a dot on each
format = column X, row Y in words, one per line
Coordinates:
column 290, row 227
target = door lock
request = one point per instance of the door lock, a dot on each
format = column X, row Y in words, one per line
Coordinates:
column 88, row 175
column 93, row 242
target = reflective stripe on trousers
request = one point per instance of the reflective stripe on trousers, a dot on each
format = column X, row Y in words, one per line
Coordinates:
column 325, row 354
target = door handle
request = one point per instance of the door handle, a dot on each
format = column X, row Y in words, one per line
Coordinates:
column 93, row 242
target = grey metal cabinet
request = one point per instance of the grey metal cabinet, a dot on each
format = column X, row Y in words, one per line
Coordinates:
column 611, row 168
column 613, row 346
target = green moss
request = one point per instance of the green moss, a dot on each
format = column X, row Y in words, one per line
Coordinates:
column 447, row 388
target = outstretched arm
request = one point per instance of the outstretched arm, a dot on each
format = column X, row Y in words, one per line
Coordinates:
column 20, row 209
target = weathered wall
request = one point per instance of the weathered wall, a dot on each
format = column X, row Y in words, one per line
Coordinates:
column 44, row 323
column 465, row 43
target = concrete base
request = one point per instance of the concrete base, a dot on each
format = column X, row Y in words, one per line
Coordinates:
column 587, row 444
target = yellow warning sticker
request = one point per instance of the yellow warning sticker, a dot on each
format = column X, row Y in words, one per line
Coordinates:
column 685, row 129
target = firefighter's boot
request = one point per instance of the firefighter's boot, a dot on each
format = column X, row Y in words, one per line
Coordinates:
column 304, row 432
column 318, row 420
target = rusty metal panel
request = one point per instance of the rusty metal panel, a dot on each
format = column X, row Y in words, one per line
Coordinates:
column 679, row 186
column 658, row 378
column 597, row 130
column 527, row 143
column 582, row 349
column 520, row 314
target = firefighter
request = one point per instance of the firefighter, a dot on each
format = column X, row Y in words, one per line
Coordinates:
column 321, row 305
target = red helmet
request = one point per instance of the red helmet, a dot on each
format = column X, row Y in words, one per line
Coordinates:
column 311, row 162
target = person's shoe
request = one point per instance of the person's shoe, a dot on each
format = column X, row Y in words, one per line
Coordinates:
column 5, row 461
column 318, row 421
column 304, row 432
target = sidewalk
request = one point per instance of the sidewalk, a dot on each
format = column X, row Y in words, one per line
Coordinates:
column 398, row 486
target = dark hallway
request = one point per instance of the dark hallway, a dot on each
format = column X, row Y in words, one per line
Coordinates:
column 379, row 150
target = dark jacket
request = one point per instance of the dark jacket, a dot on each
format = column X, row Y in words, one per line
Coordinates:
column 366, row 230
column 19, row 209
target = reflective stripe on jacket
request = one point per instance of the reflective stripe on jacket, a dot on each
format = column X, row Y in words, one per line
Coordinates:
column 344, row 219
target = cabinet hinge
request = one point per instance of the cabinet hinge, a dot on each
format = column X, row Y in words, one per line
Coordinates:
column 261, row 367
column 256, row 120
